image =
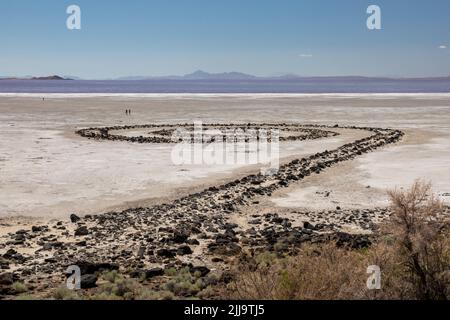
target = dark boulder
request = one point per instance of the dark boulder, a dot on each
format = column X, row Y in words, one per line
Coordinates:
column 9, row 254
column 202, row 270
column 166, row 253
column 82, row 231
column 225, row 248
column 308, row 225
column 352, row 241
column 38, row 228
column 6, row 279
column 147, row 274
column 50, row 245
column 193, row 242
column 184, row 250
column 180, row 236
column 154, row 272
column 88, row 281
column 74, row 218
column 91, row 267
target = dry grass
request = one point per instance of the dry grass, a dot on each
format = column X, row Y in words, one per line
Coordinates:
column 413, row 253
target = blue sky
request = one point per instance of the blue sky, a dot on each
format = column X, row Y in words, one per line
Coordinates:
column 262, row 37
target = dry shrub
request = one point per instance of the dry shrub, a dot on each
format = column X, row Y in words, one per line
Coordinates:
column 413, row 253
column 314, row 273
column 421, row 241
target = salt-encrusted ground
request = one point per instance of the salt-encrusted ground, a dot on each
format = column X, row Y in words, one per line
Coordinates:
column 333, row 186
column 48, row 171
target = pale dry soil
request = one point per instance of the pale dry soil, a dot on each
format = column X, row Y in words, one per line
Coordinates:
column 47, row 172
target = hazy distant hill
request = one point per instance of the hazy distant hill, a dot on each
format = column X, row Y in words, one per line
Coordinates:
column 36, row 78
column 197, row 75
column 202, row 75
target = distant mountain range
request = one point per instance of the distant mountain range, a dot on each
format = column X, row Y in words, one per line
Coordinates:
column 198, row 75
column 202, row 75
column 236, row 76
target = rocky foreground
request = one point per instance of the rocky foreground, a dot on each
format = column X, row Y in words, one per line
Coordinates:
column 193, row 232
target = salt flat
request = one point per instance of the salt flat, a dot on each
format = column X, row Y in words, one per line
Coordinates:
column 48, row 171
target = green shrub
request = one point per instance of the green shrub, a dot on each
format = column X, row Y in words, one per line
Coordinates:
column 19, row 287
column 413, row 253
column 63, row 293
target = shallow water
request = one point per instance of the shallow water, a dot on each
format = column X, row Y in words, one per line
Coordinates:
column 306, row 85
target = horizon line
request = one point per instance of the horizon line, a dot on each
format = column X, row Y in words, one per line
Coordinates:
column 201, row 75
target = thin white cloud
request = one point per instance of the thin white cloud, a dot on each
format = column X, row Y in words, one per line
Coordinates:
column 305, row 55
column 443, row 46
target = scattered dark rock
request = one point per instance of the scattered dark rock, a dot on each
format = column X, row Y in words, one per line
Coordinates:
column 88, row 281
column 308, row 225
column 38, row 228
column 180, row 236
column 9, row 254
column 184, row 250
column 224, row 249
column 166, row 253
column 202, row 270
column 193, row 242
column 155, row 272
column 92, row 268
column 355, row 241
column 50, row 245
column 6, row 279
column 147, row 274
column 74, row 218
column 82, row 231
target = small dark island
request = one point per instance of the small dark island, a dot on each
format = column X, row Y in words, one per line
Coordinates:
column 54, row 77
column 50, row 78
